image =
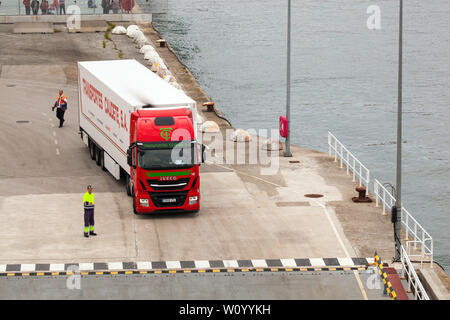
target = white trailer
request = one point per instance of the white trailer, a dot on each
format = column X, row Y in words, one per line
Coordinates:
column 109, row 91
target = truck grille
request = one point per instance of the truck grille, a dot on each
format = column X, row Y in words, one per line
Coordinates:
column 168, row 185
column 159, row 197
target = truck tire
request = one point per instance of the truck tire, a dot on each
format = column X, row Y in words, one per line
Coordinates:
column 128, row 186
column 102, row 160
column 134, row 206
column 98, row 156
column 92, row 149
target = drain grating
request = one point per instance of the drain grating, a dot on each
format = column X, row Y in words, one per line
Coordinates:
column 294, row 161
column 313, row 195
column 10, row 85
column 22, row 121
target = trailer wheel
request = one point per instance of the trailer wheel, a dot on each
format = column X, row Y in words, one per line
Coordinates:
column 92, row 149
column 102, row 160
column 98, row 156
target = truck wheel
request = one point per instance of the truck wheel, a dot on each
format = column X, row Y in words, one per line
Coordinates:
column 102, row 160
column 128, row 186
column 134, row 206
column 98, row 156
column 92, row 149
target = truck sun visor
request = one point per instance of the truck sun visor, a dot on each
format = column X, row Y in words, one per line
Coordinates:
column 164, row 121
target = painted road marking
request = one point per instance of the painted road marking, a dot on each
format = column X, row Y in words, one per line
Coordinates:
column 317, row 262
column 173, row 264
column 144, row 265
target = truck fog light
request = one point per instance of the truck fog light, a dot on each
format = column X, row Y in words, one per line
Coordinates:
column 143, row 202
column 193, row 200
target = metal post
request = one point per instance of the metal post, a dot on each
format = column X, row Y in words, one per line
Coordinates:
column 287, row 152
column 398, row 202
column 18, row 5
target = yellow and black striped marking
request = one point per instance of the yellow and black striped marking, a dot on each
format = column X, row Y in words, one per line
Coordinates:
column 384, row 278
column 173, row 271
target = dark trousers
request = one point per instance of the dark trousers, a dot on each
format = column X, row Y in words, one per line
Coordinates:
column 88, row 217
column 60, row 115
column 62, row 7
column 27, row 10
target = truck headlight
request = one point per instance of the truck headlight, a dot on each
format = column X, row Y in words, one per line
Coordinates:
column 143, row 202
column 193, row 200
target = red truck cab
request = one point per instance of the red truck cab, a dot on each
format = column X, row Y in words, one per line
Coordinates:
column 164, row 161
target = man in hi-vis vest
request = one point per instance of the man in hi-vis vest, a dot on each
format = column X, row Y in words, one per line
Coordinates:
column 88, row 201
column 61, row 107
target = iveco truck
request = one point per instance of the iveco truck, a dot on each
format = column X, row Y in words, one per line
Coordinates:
column 139, row 127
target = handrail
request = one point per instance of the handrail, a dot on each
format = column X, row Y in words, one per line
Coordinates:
column 351, row 162
column 409, row 223
column 412, row 228
column 385, row 196
column 412, row 278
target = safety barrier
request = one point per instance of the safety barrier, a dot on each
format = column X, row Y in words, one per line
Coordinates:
column 421, row 240
column 414, row 284
column 351, row 162
column 384, row 277
column 413, row 230
column 382, row 195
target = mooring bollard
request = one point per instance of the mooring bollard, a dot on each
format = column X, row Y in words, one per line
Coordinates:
column 209, row 106
column 361, row 195
column 162, row 43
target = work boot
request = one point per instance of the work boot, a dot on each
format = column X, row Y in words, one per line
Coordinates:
column 86, row 235
column 92, row 233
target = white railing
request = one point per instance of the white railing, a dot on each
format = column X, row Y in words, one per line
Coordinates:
column 352, row 164
column 419, row 236
column 412, row 228
column 382, row 195
column 414, row 283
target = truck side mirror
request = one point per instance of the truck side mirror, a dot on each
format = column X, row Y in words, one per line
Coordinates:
column 129, row 159
column 203, row 153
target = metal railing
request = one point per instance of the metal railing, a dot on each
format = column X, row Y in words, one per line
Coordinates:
column 382, row 195
column 352, row 164
column 413, row 230
column 414, row 284
column 419, row 236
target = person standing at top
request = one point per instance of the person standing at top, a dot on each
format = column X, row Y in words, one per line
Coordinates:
column 61, row 107
column 105, row 6
column 56, row 6
column 115, row 6
column 27, row 5
column 35, row 6
column 44, row 6
column 62, row 6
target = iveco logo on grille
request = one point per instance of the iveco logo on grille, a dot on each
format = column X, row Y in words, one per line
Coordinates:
column 167, row 178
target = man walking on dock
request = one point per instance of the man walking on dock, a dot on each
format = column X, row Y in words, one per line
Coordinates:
column 88, row 202
column 61, row 107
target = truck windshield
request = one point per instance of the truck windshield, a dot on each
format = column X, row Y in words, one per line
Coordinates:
column 167, row 155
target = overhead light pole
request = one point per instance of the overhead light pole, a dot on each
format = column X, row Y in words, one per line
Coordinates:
column 397, row 218
column 287, row 151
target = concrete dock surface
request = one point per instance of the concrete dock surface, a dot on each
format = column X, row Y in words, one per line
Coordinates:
column 244, row 214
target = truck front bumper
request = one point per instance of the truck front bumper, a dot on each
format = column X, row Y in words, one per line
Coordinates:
column 186, row 201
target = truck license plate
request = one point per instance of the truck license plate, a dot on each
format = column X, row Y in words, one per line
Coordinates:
column 169, row 200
